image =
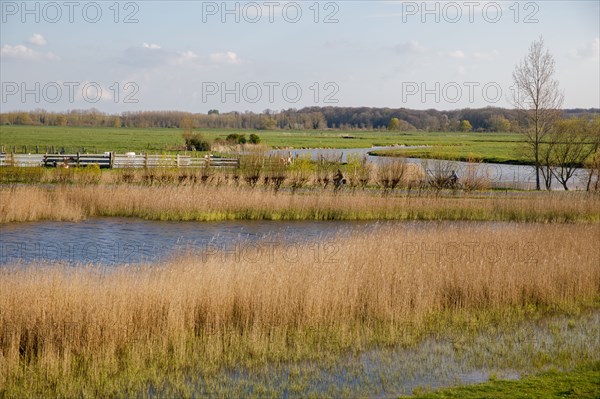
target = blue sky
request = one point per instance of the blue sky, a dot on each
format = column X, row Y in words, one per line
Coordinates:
column 181, row 55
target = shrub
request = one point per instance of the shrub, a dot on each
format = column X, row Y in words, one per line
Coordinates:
column 254, row 139
column 235, row 138
column 390, row 174
column 90, row 174
column 196, row 142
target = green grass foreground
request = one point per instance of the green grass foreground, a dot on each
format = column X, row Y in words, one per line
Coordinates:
column 582, row 383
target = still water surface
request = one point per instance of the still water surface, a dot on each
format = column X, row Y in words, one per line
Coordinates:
column 111, row 241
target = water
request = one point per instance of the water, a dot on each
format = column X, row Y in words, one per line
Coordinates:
column 500, row 175
column 339, row 154
column 111, row 241
column 117, row 241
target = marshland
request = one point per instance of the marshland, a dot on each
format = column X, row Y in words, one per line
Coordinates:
column 270, row 280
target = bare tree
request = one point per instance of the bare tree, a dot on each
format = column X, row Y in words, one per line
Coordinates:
column 573, row 141
column 390, row 174
column 546, row 151
column 537, row 94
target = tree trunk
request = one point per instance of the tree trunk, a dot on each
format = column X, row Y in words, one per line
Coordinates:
column 537, row 155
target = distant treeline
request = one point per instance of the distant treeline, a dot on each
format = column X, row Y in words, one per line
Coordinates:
column 346, row 118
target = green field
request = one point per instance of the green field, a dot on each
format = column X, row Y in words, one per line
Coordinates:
column 480, row 147
column 488, row 147
column 581, row 383
column 152, row 139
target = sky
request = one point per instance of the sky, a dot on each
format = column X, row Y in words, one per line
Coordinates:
column 251, row 56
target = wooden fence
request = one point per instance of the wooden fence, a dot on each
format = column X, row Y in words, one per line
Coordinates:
column 116, row 161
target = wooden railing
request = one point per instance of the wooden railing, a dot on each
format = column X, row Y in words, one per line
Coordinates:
column 117, row 161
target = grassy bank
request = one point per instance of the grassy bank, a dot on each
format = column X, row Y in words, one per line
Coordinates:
column 469, row 151
column 582, row 383
column 214, row 203
column 76, row 332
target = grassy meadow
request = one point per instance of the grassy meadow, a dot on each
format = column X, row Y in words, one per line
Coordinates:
column 487, row 147
column 90, row 331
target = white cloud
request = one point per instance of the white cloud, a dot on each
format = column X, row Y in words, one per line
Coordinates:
column 151, row 46
column 153, row 56
column 410, row 47
column 224, row 58
column 21, row 52
column 37, row 39
column 184, row 56
column 590, row 50
column 453, row 54
column 486, row 56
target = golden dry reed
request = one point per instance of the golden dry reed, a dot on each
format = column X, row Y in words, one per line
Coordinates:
column 29, row 203
column 73, row 329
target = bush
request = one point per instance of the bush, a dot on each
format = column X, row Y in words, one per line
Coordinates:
column 235, row 138
column 390, row 174
column 90, row 174
column 195, row 141
column 17, row 174
column 361, row 171
column 254, row 139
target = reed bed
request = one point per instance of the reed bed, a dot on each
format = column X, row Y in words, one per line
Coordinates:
column 89, row 331
column 206, row 203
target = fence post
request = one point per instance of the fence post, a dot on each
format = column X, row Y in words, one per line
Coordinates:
column 77, row 162
column 146, row 160
column 177, row 160
column 111, row 160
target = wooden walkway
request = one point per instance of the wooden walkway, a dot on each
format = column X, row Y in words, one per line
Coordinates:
column 116, row 161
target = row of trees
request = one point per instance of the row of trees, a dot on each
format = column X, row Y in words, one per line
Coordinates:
column 484, row 119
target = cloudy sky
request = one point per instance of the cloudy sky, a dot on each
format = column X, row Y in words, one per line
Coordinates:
column 250, row 56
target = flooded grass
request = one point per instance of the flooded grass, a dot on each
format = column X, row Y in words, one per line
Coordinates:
column 444, row 358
